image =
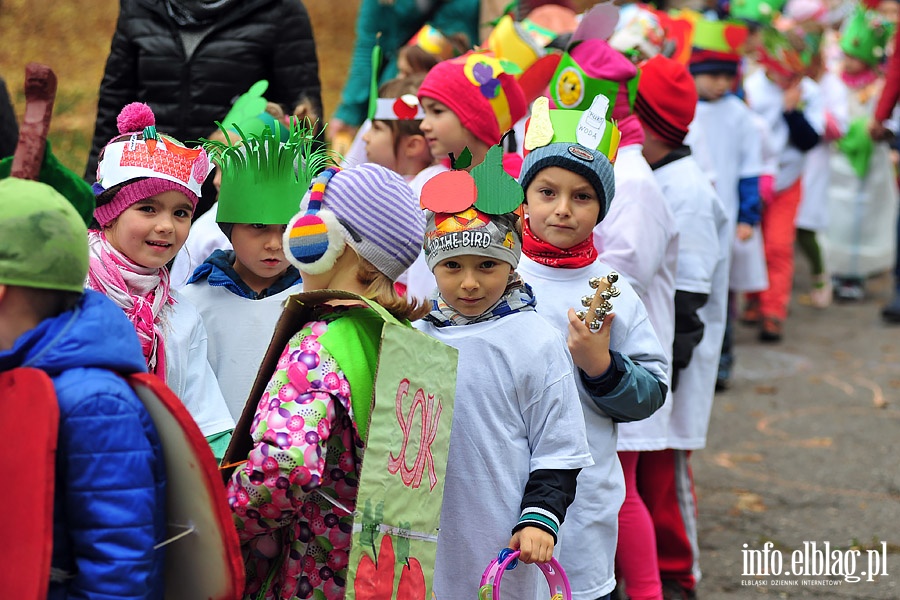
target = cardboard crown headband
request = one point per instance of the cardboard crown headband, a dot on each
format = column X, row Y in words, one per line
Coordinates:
column 725, row 39
column 590, row 128
column 263, row 179
column 249, row 113
column 404, row 108
column 151, row 154
column 522, row 44
column 433, row 42
column 477, row 212
column 572, row 88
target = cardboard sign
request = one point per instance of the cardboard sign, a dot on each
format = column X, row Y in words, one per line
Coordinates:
column 398, row 507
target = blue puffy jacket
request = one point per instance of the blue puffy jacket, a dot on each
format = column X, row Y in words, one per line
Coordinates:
column 109, row 504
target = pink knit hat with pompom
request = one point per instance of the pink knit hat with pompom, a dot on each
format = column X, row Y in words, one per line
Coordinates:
column 140, row 163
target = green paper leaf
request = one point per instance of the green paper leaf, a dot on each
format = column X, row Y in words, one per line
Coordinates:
column 510, row 67
column 498, row 193
column 463, row 161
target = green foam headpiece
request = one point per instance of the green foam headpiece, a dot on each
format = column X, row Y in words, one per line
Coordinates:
column 264, row 179
column 55, row 174
column 865, row 36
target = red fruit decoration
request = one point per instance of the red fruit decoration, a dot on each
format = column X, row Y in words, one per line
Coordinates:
column 405, row 111
column 376, row 582
column 449, row 192
column 412, row 582
column 736, row 36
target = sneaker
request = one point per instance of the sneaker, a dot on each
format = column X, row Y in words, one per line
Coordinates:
column 820, row 295
column 849, row 289
column 891, row 312
column 751, row 316
column 672, row 590
column 771, row 330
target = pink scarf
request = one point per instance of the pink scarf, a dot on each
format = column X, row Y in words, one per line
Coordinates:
column 141, row 292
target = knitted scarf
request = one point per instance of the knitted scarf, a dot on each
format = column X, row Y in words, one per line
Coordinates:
column 579, row 255
column 517, row 297
column 141, row 292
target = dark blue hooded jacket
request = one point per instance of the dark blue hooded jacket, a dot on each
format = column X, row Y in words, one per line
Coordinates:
column 109, row 498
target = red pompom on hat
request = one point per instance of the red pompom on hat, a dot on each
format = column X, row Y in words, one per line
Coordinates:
column 487, row 100
column 666, row 99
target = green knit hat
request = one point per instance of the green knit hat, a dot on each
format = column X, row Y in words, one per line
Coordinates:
column 264, row 179
column 865, row 36
column 43, row 239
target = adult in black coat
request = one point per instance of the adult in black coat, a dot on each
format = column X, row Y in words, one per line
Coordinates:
column 190, row 59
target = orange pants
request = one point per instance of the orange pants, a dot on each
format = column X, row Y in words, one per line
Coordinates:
column 778, row 233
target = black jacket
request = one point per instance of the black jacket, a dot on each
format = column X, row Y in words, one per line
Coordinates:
column 256, row 39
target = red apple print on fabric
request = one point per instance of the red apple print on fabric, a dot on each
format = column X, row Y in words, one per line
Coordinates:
column 377, row 582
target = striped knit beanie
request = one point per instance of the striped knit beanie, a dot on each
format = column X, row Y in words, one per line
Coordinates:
column 666, row 99
column 368, row 207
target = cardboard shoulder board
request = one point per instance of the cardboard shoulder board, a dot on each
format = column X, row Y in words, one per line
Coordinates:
column 203, row 554
column 27, row 396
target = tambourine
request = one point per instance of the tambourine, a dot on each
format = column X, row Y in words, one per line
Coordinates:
column 507, row 560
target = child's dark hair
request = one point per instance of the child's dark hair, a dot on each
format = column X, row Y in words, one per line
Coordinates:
column 421, row 61
column 46, row 304
column 395, row 88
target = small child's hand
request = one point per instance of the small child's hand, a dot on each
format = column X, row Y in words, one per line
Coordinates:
column 792, row 95
column 744, row 231
column 534, row 545
column 590, row 350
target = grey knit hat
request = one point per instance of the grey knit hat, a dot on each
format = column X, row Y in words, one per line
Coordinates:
column 369, row 207
column 590, row 164
column 472, row 233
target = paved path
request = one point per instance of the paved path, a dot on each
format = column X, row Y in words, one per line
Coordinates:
column 805, row 448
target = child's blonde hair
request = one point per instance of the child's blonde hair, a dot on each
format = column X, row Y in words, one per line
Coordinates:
column 381, row 289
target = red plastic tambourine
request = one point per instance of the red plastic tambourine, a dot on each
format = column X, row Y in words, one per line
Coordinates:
column 507, row 560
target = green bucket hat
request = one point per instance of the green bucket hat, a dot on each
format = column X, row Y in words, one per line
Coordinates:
column 43, row 239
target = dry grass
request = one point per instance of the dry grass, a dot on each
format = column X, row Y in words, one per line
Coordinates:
column 73, row 37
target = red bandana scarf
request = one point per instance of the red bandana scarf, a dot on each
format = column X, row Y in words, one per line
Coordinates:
column 580, row 255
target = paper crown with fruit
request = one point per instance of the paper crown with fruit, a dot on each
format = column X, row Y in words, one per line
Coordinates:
column 583, row 142
column 589, row 128
column 263, row 178
column 404, row 108
column 140, row 151
column 473, row 213
column 865, row 36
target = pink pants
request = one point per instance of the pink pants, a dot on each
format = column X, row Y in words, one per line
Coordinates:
column 636, row 561
column 778, row 233
column 666, row 485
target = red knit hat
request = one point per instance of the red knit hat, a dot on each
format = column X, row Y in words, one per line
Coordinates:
column 487, row 100
column 666, row 98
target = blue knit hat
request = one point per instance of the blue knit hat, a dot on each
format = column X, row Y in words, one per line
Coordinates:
column 368, row 207
column 590, row 164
